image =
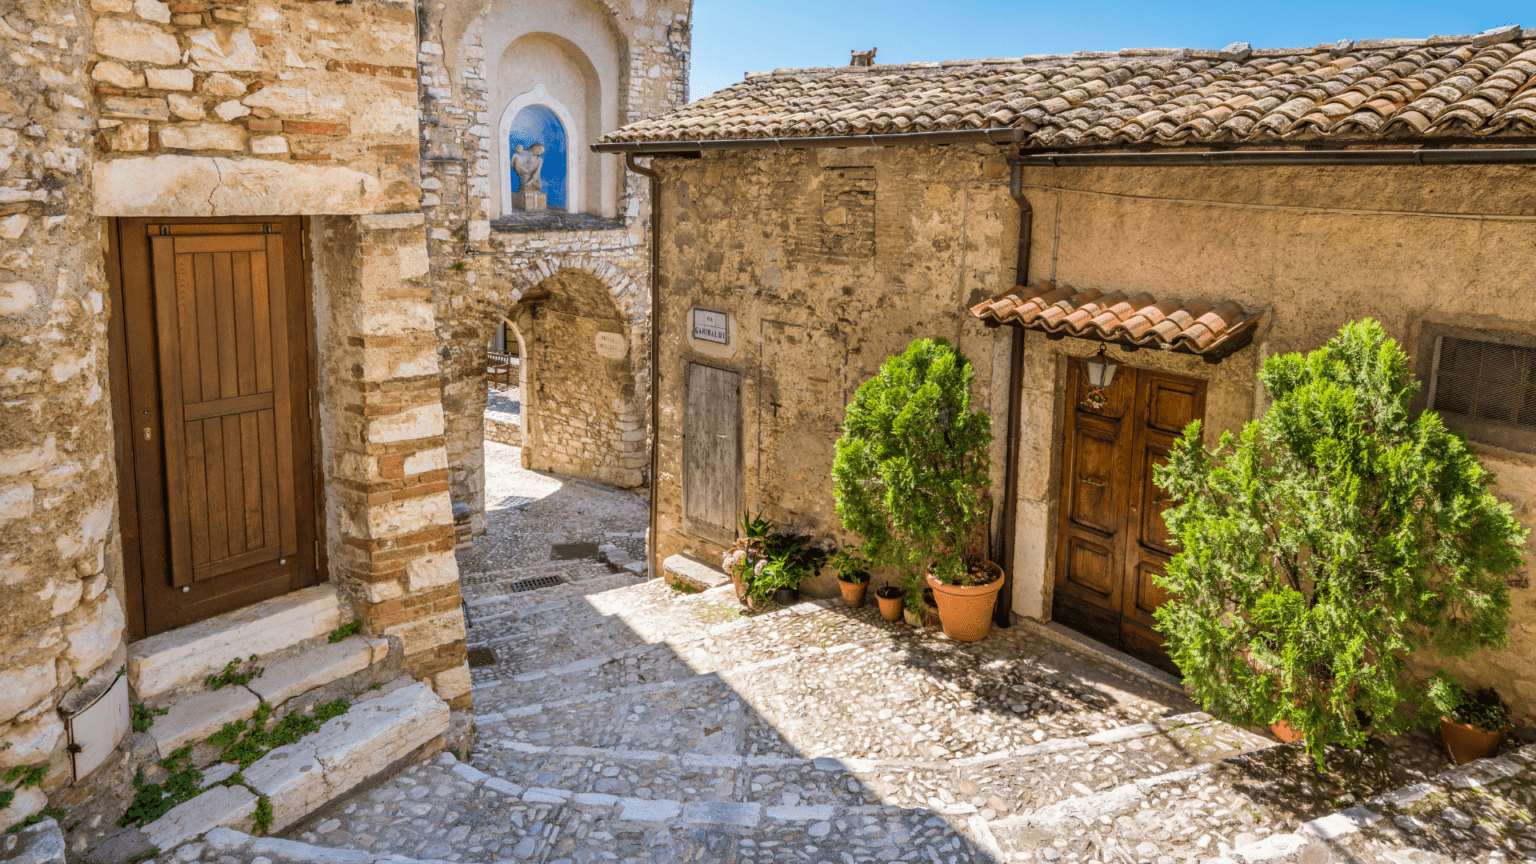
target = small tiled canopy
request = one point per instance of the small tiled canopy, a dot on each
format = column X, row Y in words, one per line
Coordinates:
column 1210, row 330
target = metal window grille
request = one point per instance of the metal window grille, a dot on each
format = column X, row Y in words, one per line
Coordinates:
column 1486, row 388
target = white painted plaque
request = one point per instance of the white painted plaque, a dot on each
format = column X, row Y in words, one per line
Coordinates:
column 711, row 326
column 612, row 346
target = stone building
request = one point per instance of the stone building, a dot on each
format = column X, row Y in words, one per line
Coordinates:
column 250, row 255
column 1186, row 212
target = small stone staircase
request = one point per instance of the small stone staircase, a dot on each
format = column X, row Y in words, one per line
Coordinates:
column 631, row 722
column 291, row 654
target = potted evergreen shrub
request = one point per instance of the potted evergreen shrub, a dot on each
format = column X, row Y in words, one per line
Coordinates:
column 1335, row 537
column 910, row 477
column 852, row 574
column 1472, row 725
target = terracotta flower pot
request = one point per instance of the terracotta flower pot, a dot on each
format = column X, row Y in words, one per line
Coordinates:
column 931, row 616
column 966, row 611
column 890, row 607
column 786, row 596
column 1282, row 730
column 1465, row 742
column 853, row 592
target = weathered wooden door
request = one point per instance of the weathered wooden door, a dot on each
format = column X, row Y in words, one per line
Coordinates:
column 1112, row 538
column 215, row 367
column 712, row 453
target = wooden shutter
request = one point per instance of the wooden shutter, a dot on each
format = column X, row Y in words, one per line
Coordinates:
column 227, row 400
column 712, row 453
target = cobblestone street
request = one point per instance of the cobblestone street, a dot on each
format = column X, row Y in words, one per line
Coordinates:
column 620, row 720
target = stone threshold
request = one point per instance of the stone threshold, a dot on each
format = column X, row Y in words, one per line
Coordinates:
column 1071, row 639
column 179, row 659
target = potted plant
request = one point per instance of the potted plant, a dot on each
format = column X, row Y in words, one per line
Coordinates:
column 852, row 574
column 910, row 476
column 891, row 599
column 1472, row 725
column 768, row 564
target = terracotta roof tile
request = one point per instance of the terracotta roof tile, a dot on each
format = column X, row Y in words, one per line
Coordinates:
column 1445, row 86
column 1193, row 327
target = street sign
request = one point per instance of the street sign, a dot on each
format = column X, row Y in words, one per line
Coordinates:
column 711, row 326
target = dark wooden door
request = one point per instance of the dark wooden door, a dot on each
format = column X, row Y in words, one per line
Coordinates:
column 712, row 453
column 216, row 372
column 1112, row 539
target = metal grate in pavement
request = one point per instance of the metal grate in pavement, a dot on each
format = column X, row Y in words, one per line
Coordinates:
column 481, row 656
column 533, row 584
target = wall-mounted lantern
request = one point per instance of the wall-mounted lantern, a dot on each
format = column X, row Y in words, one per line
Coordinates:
column 1099, row 371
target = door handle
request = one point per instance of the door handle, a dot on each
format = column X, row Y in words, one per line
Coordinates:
column 147, row 433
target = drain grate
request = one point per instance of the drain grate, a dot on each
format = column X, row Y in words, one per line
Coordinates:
column 533, row 584
column 482, row 656
column 572, row 551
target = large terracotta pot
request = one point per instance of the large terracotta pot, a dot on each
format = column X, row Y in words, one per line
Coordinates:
column 853, row 592
column 1282, row 730
column 1465, row 742
column 966, row 612
column 890, row 607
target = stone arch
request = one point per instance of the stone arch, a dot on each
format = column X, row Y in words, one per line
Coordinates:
column 558, row 305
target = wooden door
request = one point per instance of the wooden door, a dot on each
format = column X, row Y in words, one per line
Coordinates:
column 214, row 334
column 712, row 453
column 1112, row 539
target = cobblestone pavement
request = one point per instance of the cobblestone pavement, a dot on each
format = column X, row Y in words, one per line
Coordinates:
column 620, row 720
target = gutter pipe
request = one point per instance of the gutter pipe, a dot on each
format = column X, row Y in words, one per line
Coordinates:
column 652, row 538
column 1002, row 611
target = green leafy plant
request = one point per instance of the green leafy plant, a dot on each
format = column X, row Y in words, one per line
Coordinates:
column 910, row 473
column 850, row 564
column 767, row 558
column 261, row 820
column 183, row 782
column 1481, row 708
column 26, row 776
column 1335, row 537
column 345, row 630
column 45, row 813
column 6, row 797
column 143, row 717
column 233, row 674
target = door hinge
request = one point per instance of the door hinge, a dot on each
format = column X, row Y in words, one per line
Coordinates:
column 310, row 402
column 317, row 552
column 303, row 245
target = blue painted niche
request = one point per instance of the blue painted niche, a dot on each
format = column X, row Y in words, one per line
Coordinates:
column 536, row 124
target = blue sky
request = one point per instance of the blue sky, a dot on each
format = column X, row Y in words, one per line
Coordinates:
column 735, row 36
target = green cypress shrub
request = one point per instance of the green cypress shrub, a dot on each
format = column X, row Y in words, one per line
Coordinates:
column 1337, row 536
column 910, row 473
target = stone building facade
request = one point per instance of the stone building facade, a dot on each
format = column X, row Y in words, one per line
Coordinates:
column 181, row 182
column 558, row 277
column 827, row 228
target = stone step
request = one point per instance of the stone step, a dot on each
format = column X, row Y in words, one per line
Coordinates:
column 179, row 659
column 378, row 733
column 290, row 673
column 646, row 664
column 446, row 806
column 681, row 568
column 226, row 845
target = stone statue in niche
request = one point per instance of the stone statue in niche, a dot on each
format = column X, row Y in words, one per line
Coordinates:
column 528, row 162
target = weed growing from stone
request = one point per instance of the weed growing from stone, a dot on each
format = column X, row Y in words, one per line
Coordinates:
column 261, row 820
column 245, row 741
column 151, row 800
column 26, row 776
column 47, row 813
column 226, row 677
column 681, row 587
column 715, row 613
column 345, row 630
column 143, row 717
column 145, row 856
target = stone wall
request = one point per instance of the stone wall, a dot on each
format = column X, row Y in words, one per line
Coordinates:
column 60, row 577
column 826, row 262
column 293, row 107
column 482, row 271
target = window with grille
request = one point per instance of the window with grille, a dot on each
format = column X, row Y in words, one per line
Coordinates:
column 1483, row 383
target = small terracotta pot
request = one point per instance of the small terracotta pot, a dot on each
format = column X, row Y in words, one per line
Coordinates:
column 966, row 611
column 1282, row 730
column 1465, row 742
column 890, row 607
column 853, row 593
column 931, row 616
column 786, row 596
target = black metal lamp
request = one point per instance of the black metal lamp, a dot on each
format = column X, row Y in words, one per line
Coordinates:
column 1099, row 369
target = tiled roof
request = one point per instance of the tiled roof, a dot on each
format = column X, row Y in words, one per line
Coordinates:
column 1441, row 87
column 1209, row 329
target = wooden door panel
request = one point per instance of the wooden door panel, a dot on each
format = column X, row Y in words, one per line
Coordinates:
column 712, row 452
column 223, row 310
column 1113, row 541
column 1092, row 479
column 1090, row 565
